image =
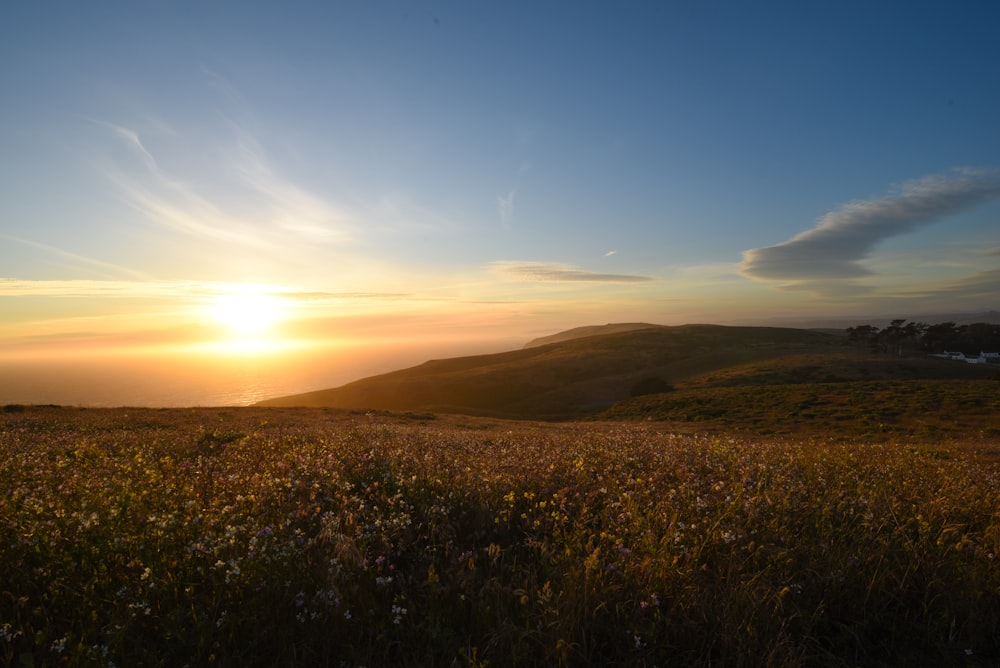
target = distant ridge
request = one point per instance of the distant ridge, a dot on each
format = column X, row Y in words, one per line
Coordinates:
column 588, row 330
column 576, row 374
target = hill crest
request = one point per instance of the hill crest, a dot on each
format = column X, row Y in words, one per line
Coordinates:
column 588, row 330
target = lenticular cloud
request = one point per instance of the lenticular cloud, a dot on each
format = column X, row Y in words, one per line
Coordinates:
column 833, row 248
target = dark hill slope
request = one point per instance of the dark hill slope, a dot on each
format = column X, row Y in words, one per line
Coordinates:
column 568, row 379
column 838, row 394
column 838, row 367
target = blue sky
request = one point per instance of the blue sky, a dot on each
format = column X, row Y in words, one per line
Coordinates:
column 492, row 168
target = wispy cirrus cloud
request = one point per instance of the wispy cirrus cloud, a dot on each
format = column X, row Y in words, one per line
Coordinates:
column 175, row 290
column 300, row 296
column 190, row 290
column 167, row 200
column 983, row 286
column 245, row 201
column 549, row 272
column 834, row 248
column 290, row 208
column 109, row 269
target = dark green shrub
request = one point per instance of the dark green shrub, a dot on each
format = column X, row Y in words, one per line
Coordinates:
column 650, row 385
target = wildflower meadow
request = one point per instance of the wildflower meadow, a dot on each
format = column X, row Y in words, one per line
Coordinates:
column 287, row 537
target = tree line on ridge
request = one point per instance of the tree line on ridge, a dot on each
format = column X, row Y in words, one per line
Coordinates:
column 901, row 337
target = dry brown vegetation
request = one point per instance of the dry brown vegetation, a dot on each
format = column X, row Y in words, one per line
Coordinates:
column 311, row 537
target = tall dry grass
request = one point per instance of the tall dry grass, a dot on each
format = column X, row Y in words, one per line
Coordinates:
column 302, row 538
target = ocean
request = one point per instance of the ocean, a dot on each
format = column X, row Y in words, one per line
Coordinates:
column 204, row 380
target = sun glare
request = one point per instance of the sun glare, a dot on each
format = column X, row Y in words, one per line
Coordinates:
column 247, row 314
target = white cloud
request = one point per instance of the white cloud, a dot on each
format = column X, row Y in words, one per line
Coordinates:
column 834, row 248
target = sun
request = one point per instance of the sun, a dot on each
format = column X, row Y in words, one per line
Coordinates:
column 247, row 313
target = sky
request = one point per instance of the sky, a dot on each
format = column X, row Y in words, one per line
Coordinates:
column 207, row 180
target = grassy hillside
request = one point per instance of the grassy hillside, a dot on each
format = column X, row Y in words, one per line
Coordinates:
column 835, row 394
column 570, row 378
column 879, row 410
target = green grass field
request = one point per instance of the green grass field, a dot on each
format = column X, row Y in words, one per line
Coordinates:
column 310, row 537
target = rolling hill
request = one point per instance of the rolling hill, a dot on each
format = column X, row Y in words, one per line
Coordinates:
column 575, row 374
